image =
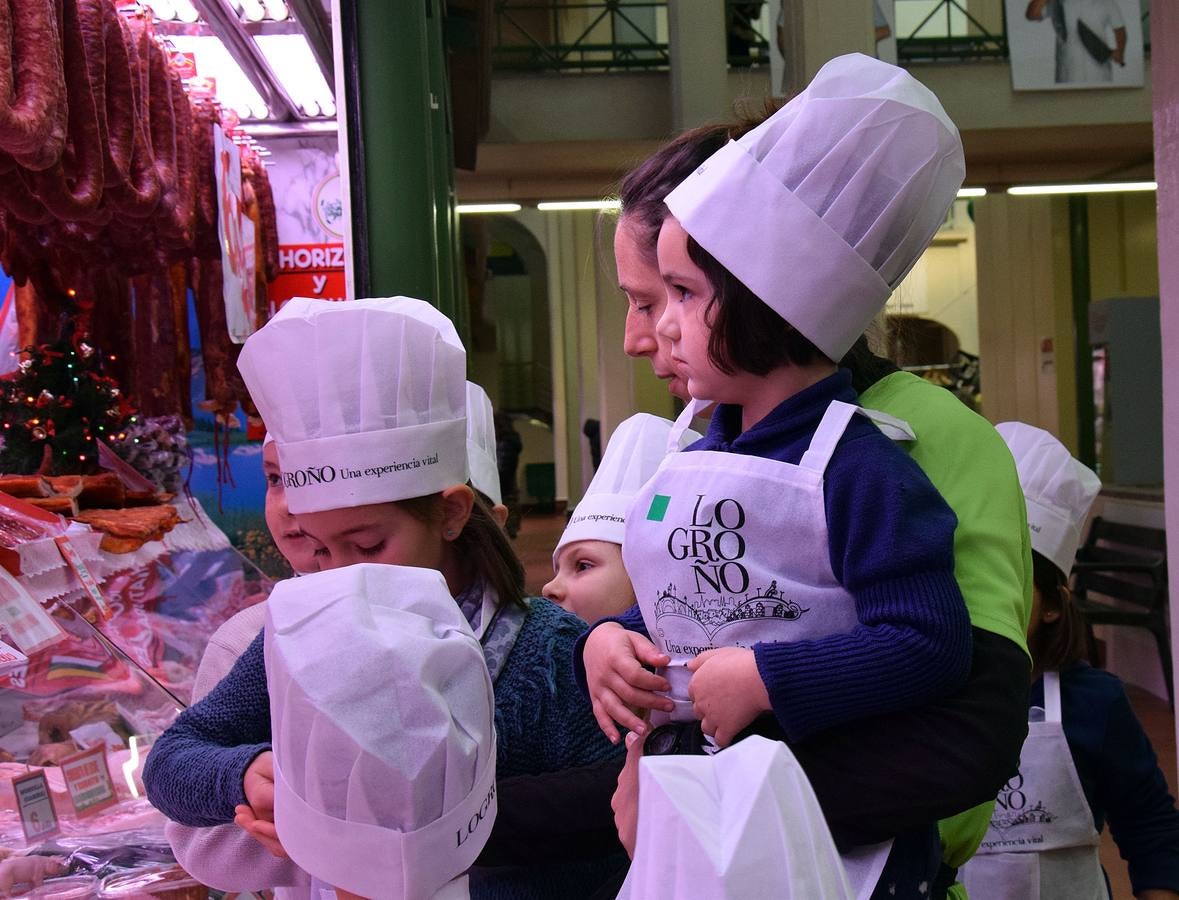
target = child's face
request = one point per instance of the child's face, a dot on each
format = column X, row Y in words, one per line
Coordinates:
column 590, row 581
column 284, row 530
column 377, row 533
column 684, row 321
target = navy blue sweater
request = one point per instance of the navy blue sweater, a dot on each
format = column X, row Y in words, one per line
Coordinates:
column 891, row 539
column 543, row 724
column 1119, row 774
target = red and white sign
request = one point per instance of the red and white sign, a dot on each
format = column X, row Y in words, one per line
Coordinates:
column 308, row 270
column 88, row 779
column 38, row 818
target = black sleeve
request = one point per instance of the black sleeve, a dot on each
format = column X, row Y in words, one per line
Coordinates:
column 558, row 817
column 885, row 775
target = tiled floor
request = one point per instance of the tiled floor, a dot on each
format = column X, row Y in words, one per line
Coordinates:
column 539, row 534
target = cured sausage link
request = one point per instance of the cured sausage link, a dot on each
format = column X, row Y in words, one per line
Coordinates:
column 72, row 189
column 33, row 107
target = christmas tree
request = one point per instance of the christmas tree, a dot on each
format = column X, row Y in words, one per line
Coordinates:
column 57, row 405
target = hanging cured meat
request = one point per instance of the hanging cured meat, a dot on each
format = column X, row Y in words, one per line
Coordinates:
column 32, row 83
column 107, row 178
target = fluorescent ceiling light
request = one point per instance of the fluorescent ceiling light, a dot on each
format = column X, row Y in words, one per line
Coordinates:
column 1096, row 188
column 488, row 207
column 972, row 192
column 234, row 89
column 294, row 64
column 562, row 205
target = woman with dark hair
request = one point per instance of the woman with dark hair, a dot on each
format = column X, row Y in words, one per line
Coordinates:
column 948, row 759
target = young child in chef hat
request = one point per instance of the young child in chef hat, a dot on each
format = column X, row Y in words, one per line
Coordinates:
column 794, row 561
column 379, row 791
column 366, row 402
column 1087, row 759
column 589, row 578
column 481, row 452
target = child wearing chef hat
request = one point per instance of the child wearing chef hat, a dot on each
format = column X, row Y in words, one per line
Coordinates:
column 794, row 561
column 1086, row 759
column 379, row 791
column 589, row 578
column 366, row 402
column 481, row 452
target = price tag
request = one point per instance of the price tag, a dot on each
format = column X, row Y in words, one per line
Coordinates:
column 38, row 818
column 11, row 658
column 27, row 624
column 89, row 780
column 70, row 552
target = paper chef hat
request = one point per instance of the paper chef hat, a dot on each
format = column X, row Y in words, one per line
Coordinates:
column 1058, row 488
column 741, row 823
column 381, row 712
column 366, row 400
column 634, row 452
column 823, row 208
column 481, row 443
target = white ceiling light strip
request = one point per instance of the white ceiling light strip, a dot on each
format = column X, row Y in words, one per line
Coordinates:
column 1114, row 187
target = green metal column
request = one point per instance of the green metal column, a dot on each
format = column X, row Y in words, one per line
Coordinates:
column 398, row 150
column 1078, row 240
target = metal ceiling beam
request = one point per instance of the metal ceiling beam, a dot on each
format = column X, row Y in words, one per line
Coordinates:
column 247, row 54
column 317, row 29
column 267, row 130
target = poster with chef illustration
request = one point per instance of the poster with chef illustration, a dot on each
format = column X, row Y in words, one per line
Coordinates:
column 238, row 283
column 1060, row 45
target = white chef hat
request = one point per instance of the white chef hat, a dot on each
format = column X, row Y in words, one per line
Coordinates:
column 1058, row 488
column 741, row 823
column 481, row 443
column 381, row 713
column 366, row 400
column 823, row 208
column 632, row 455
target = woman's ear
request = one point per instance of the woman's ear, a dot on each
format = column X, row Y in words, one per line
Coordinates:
column 457, row 501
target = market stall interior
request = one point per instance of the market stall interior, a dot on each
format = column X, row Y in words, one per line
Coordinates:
column 137, row 221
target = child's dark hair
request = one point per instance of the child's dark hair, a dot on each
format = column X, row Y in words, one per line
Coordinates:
column 1058, row 644
column 482, row 546
column 746, row 334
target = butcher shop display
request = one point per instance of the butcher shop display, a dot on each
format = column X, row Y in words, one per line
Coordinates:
column 107, row 196
column 112, row 578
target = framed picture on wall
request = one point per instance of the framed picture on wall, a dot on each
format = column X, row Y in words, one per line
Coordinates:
column 1060, row 45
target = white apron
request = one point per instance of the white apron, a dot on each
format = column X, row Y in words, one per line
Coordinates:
column 730, row 550
column 1042, row 844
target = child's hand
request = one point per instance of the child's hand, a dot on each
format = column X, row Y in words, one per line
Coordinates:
column 27, row 870
column 256, row 816
column 727, row 692
column 258, row 784
column 614, row 660
column 261, row 830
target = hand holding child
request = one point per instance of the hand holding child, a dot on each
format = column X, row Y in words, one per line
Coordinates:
column 625, row 801
column 614, row 660
column 727, row 692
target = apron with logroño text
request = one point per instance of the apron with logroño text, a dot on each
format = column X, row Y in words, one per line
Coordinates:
column 730, row 550
column 1042, row 843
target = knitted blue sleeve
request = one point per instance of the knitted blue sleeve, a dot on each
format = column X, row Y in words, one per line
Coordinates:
column 543, row 721
column 194, row 771
column 891, row 540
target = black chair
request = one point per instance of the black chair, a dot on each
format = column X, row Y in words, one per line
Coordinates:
column 1120, row 578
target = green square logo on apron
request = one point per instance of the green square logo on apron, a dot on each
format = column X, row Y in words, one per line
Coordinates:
column 658, row 509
